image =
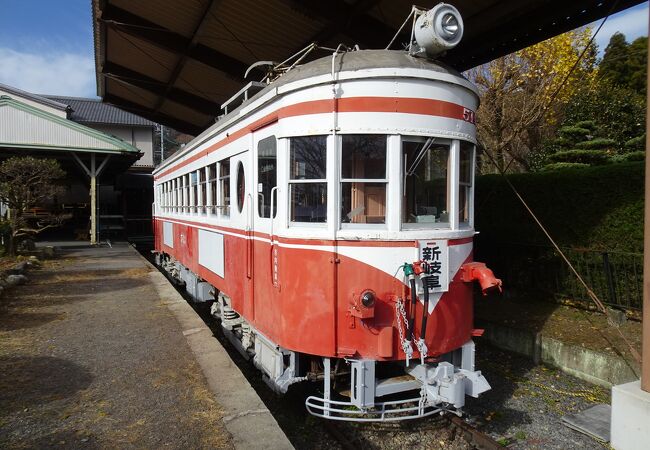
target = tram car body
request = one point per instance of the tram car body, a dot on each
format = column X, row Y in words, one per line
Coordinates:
column 319, row 213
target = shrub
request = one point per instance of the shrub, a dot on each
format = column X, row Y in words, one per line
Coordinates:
column 628, row 157
column 587, row 125
column 597, row 144
column 592, row 157
column 573, row 133
column 563, row 165
column 636, row 143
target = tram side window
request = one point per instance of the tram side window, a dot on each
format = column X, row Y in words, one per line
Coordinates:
column 425, row 176
column 176, row 194
column 186, row 193
column 224, row 187
column 363, row 179
column 465, row 181
column 194, row 196
column 307, row 179
column 267, row 169
column 212, row 186
column 201, row 202
column 162, row 192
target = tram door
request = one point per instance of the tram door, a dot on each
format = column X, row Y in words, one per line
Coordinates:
column 265, row 169
column 242, row 214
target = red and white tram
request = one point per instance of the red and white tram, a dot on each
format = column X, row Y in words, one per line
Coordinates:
column 330, row 218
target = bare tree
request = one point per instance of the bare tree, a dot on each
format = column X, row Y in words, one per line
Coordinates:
column 523, row 93
column 27, row 182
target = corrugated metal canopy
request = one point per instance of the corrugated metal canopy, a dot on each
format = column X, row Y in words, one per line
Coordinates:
column 175, row 62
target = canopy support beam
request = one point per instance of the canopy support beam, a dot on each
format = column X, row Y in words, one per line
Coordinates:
column 93, row 172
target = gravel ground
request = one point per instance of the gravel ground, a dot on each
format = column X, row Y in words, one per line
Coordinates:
column 526, row 403
column 80, row 369
column 522, row 411
column 91, row 358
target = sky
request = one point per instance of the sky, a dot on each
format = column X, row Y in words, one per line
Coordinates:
column 46, row 46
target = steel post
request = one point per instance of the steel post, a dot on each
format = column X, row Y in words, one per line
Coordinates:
column 645, row 360
column 93, row 201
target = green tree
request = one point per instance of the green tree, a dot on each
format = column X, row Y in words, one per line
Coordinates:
column 618, row 112
column 26, row 182
column 625, row 64
column 614, row 67
column 638, row 64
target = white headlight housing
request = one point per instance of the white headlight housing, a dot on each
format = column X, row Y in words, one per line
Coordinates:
column 439, row 29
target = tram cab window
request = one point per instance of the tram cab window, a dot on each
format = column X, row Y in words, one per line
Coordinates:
column 224, row 187
column 425, row 169
column 465, row 181
column 267, row 169
column 363, row 179
column 307, row 179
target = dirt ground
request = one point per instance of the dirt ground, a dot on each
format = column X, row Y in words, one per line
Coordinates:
column 568, row 324
column 91, row 358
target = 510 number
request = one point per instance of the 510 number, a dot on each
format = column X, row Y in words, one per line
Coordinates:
column 469, row 116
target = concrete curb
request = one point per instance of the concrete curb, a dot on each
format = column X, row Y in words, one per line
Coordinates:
column 246, row 418
column 589, row 365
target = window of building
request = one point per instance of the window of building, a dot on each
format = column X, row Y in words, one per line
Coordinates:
column 307, row 179
column 465, row 181
column 241, row 186
column 212, row 186
column 224, row 187
column 267, row 179
column 363, row 179
column 425, row 182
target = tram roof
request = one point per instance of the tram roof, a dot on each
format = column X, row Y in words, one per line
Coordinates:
column 175, row 62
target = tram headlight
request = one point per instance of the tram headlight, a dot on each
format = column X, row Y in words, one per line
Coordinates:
column 439, row 29
column 449, row 26
column 368, row 299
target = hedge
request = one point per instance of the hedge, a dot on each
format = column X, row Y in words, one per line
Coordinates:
column 599, row 207
column 564, row 165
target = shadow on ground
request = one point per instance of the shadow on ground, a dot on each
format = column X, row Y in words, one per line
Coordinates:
column 34, row 380
column 13, row 321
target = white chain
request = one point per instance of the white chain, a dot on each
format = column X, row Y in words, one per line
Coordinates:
column 400, row 313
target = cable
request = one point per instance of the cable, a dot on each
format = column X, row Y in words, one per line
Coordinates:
column 590, row 293
column 214, row 16
column 582, row 54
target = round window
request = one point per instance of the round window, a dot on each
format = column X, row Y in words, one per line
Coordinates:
column 241, row 186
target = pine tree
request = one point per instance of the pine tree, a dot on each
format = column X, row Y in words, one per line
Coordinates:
column 615, row 65
column 637, row 62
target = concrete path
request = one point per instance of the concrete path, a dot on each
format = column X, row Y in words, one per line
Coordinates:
column 92, row 356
